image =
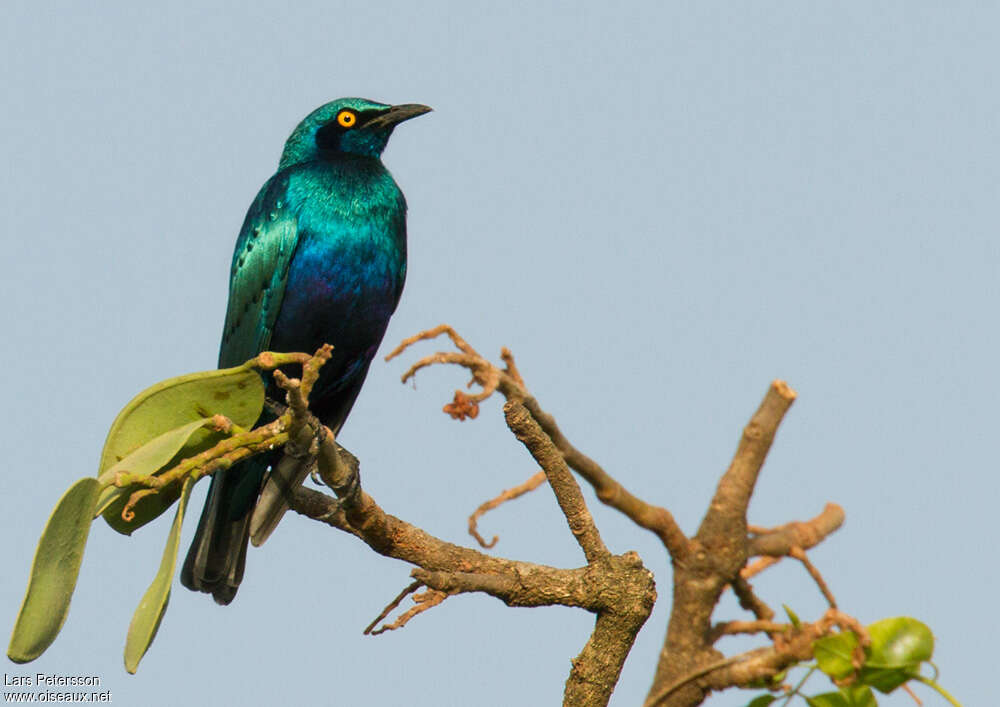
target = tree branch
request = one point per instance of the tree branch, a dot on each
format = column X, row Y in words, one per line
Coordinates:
column 511, row 385
column 726, row 515
column 581, row 523
column 531, row 484
column 717, row 553
column 778, row 542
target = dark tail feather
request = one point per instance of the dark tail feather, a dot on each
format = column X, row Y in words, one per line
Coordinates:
column 218, row 552
column 288, row 475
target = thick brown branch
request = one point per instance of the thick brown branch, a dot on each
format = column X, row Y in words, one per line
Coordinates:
column 618, row 588
column 751, row 667
column 318, row 506
column 726, row 517
column 392, row 537
column 568, row 494
column 716, row 555
column 596, row 669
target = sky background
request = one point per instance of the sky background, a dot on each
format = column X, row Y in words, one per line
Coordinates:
column 659, row 207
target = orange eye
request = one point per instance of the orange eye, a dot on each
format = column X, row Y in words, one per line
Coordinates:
column 347, row 118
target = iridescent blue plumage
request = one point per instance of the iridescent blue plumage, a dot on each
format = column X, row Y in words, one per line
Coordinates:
column 321, row 258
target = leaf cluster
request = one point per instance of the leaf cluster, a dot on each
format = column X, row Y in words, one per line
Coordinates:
column 165, row 439
column 889, row 655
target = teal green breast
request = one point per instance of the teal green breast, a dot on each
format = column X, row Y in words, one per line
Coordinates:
column 346, row 274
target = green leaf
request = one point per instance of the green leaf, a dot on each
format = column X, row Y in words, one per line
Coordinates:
column 827, row 699
column 54, row 571
column 164, row 411
column 144, row 461
column 792, row 616
column 859, row 696
column 853, row 696
column 237, row 393
column 154, row 454
column 762, row 701
column 148, row 615
column 834, row 653
column 147, row 460
column 899, row 645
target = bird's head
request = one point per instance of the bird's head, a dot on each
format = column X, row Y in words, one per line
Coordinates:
column 346, row 126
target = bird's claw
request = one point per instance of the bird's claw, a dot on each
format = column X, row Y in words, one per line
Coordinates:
column 314, row 449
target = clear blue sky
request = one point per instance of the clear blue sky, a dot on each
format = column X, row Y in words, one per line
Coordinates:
column 659, row 209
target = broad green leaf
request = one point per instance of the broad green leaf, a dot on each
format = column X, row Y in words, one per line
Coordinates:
column 154, row 454
column 853, row 696
column 833, row 654
column 859, row 696
column 146, row 510
column 147, row 460
column 762, row 701
column 899, row 645
column 900, row 642
column 164, row 411
column 148, row 615
column 54, row 571
column 792, row 616
column 237, row 393
column 827, row 699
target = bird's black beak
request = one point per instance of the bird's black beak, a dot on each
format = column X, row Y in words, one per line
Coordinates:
column 397, row 114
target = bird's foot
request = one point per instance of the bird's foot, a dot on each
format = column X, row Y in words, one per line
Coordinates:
column 274, row 407
column 314, row 448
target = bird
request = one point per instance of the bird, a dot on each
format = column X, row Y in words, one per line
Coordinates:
column 321, row 258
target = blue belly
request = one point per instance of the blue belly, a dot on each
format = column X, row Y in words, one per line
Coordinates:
column 342, row 288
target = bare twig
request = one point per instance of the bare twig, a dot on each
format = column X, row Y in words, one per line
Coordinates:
column 730, row 628
column 413, row 586
column 912, row 694
column 800, row 555
column 510, row 383
column 757, row 566
column 423, row 602
column 508, row 494
column 750, row 601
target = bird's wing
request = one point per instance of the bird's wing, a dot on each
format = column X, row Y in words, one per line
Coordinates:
column 259, row 272
column 256, row 288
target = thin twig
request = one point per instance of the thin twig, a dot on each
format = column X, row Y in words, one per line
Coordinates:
column 413, row 586
column 510, row 383
column 750, row 601
column 730, row 628
column 424, row 601
column 507, row 495
column 800, row 555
